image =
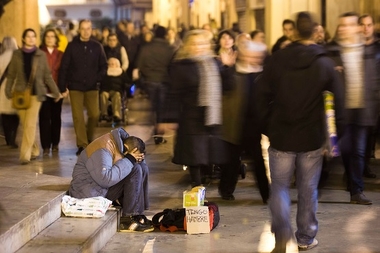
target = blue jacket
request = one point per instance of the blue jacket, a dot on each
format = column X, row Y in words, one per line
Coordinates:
column 83, row 65
column 100, row 166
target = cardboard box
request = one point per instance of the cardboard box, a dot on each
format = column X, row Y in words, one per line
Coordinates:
column 197, row 220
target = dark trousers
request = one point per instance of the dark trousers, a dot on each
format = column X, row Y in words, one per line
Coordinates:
column 50, row 123
column 132, row 191
column 253, row 151
column 353, row 149
column 156, row 92
column 10, row 124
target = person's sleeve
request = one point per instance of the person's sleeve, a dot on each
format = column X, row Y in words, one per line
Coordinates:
column 64, row 68
column 124, row 59
column 102, row 64
column 104, row 172
column 264, row 94
column 48, row 78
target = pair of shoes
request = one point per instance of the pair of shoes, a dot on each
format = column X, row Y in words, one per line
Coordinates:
column 133, row 224
column 368, row 173
column 361, row 199
column 80, row 149
column 46, row 152
column 55, row 148
column 159, row 140
column 314, row 244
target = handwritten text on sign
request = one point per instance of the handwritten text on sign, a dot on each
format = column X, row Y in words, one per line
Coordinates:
column 197, row 219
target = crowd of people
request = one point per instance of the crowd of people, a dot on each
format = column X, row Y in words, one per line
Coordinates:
column 220, row 92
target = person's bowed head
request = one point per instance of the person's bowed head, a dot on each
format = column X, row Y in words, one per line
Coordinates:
column 135, row 147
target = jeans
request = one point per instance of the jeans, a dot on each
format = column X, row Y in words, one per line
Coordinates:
column 307, row 166
column 132, row 191
column 353, row 150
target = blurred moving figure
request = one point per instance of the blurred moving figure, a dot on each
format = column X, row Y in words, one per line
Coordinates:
column 288, row 27
column 197, row 80
column 258, row 36
column 240, row 122
column 9, row 118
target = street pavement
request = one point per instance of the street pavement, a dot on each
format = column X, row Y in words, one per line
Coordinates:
column 245, row 222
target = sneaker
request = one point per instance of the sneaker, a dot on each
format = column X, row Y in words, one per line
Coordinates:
column 80, row 149
column 360, row 199
column 133, row 224
column 314, row 244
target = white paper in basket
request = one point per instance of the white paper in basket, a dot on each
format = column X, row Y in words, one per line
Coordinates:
column 95, row 207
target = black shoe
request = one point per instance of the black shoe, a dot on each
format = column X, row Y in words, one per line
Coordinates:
column 159, row 140
column 226, row 196
column 360, row 199
column 368, row 173
column 133, row 224
column 80, row 149
column 103, row 118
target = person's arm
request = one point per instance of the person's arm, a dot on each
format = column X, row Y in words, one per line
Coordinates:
column 48, row 78
column 102, row 64
column 64, row 68
column 124, row 59
column 106, row 173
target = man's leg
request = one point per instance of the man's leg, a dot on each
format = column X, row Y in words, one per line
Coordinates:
column 77, row 100
column 145, row 177
column 91, row 101
column 308, row 170
column 116, row 104
column 282, row 166
column 104, row 95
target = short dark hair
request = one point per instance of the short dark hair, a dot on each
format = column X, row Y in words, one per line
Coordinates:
column 43, row 43
column 305, row 25
column 160, row 32
column 83, row 21
column 288, row 21
column 134, row 142
column 365, row 16
column 255, row 32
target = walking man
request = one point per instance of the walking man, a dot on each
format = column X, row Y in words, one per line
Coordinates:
column 83, row 66
column 291, row 110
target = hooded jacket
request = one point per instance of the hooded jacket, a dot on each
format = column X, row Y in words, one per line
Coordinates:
column 101, row 165
column 290, row 97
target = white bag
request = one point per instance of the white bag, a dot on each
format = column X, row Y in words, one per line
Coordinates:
column 88, row 207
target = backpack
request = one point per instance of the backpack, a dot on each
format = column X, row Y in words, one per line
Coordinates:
column 175, row 219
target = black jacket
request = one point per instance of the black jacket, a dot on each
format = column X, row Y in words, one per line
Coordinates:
column 154, row 59
column 290, row 101
column 83, row 65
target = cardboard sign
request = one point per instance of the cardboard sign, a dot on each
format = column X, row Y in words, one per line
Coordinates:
column 197, row 220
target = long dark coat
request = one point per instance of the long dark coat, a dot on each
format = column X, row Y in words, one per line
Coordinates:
column 196, row 144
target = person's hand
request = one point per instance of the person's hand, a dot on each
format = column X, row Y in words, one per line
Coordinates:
column 135, row 74
column 58, row 98
column 65, row 94
column 137, row 155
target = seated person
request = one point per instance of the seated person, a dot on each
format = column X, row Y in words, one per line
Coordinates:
column 112, row 87
column 113, row 166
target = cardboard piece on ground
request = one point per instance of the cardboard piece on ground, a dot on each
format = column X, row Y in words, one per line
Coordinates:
column 197, row 220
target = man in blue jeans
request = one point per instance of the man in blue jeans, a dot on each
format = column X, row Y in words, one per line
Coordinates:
column 113, row 166
column 291, row 112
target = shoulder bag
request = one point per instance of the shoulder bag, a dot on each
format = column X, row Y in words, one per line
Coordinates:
column 21, row 99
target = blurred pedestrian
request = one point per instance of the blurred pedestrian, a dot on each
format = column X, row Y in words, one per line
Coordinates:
column 258, row 36
column 358, row 65
column 50, row 111
column 225, row 43
column 174, row 39
column 240, row 121
column 295, row 128
column 83, row 67
column 114, row 50
column 29, row 66
column 197, row 81
column 9, row 118
column 288, row 28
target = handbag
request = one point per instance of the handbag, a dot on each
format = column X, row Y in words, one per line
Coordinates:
column 21, row 99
